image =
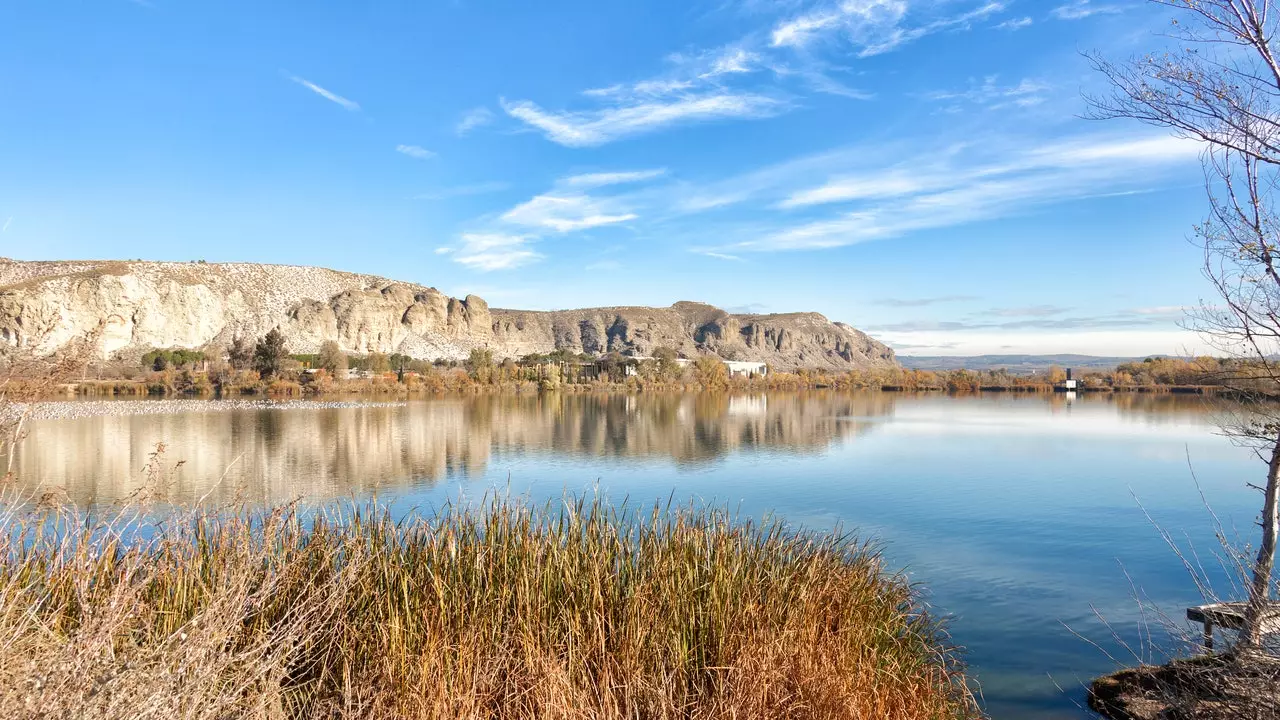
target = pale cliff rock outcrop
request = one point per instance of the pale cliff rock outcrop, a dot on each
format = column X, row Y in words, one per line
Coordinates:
column 129, row 307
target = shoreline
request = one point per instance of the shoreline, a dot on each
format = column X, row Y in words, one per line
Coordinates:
column 76, row 408
column 141, row 389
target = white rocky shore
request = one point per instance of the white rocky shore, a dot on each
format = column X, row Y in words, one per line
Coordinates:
column 72, row 409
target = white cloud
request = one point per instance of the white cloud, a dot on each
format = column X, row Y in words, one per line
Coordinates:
column 472, row 119
column 6, row 225
column 351, row 105
column 1015, row 23
column 871, row 26
column 592, row 128
column 415, row 152
column 893, row 183
column 719, row 255
column 1081, row 9
column 601, row 179
column 604, row 265
column 859, row 19
column 1069, row 161
column 734, row 60
column 754, row 77
column 493, row 251
column 566, row 213
column 947, row 188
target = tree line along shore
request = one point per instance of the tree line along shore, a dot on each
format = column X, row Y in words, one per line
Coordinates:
column 267, row 368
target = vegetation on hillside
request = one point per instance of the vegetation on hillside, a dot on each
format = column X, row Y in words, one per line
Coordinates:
column 266, row 366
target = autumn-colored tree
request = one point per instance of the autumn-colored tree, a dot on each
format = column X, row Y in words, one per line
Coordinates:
column 711, row 372
column 331, row 358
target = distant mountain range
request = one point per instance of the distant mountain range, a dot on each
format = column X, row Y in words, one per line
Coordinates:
column 1018, row 364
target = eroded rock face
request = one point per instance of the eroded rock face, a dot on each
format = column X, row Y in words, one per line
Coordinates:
column 130, row 307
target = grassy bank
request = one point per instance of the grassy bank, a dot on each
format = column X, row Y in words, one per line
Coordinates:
column 575, row 610
column 461, row 385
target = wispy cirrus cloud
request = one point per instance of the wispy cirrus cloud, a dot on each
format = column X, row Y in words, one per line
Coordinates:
column 415, row 152
column 1081, row 9
column 602, row 179
column 719, row 255
column 872, row 27
column 990, row 94
column 350, row 105
column 566, row 213
column 474, row 118
column 944, row 171
column 492, row 251
column 967, row 183
column 755, row 77
column 1043, row 321
column 1015, row 23
column 598, row 127
column 5, row 228
column 567, row 207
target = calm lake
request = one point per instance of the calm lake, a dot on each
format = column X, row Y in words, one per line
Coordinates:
column 1017, row 513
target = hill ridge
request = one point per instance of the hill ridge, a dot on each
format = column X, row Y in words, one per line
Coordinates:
column 133, row 306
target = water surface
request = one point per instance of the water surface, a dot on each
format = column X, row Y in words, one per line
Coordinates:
column 1020, row 514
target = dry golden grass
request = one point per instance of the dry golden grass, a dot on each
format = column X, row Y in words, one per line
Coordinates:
column 578, row 609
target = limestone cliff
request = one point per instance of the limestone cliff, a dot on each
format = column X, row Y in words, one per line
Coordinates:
column 133, row 306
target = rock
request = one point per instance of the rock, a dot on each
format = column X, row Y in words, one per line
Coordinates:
column 130, row 307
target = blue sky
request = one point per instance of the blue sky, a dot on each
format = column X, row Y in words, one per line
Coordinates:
column 916, row 168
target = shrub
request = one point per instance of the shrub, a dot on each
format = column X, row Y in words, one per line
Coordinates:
column 573, row 610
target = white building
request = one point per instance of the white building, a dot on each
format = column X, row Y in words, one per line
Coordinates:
column 747, row 369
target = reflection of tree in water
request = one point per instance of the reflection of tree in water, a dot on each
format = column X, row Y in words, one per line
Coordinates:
column 281, row 455
column 1151, row 408
column 685, row 428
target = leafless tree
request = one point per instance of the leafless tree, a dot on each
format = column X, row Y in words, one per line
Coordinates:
column 1218, row 82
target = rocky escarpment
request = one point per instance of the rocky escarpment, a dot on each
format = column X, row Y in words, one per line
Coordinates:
column 129, row 307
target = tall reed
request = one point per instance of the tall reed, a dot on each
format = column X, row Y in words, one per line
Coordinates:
column 575, row 609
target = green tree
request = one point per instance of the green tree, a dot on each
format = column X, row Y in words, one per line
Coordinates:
column 269, row 353
column 480, row 365
column 240, row 353
column 331, row 359
column 668, row 368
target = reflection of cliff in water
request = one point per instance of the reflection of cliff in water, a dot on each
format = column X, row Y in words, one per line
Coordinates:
column 264, row 455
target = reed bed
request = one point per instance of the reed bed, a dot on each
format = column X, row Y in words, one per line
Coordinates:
column 500, row 609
